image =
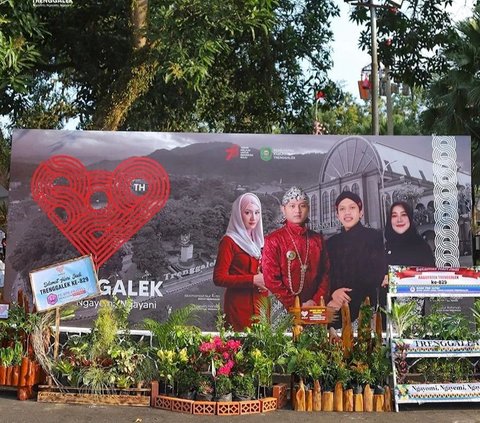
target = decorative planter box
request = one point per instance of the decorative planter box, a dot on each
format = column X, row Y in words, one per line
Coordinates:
column 69, row 395
column 162, row 402
column 268, row 404
column 204, row 407
column 280, row 393
column 230, row 408
column 250, row 407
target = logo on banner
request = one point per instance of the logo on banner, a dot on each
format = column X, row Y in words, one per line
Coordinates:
column 266, row 154
column 232, row 152
column 98, row 210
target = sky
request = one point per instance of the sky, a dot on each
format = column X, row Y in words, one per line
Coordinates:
column 349, row 59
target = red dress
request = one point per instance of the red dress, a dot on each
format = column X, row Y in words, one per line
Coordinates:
column 275, row 264
column 235, row 270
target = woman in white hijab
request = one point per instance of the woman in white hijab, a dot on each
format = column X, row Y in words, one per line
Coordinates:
column 238, row 262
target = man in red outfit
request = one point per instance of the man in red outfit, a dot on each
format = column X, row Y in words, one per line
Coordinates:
column 295, row 260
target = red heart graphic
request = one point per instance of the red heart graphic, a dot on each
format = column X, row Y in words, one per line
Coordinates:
column 124, row 199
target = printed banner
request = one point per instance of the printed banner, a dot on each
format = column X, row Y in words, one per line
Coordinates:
column 152, row 208
column 432, row 281
column 438, row 392
column 435, row 347
column 64, row 283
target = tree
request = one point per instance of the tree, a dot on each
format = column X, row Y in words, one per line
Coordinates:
column 454, row 98
column 409, row 39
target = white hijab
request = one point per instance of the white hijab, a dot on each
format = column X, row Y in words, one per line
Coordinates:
column 236, row 228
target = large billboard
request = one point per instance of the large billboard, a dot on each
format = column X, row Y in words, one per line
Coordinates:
column 152, row 208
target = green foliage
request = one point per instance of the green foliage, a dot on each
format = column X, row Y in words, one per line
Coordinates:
column 104, row 332
column 6, row 356
column 308, row 365
column 403, row 317
column 223, row 385
column 20, row 36
column 175, row 332
column 243, row 385
column 454, row 96
column 270, row 337
column 440, row 325
column 414, row 34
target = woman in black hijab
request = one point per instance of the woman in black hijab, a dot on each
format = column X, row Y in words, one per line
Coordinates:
column 404, row 245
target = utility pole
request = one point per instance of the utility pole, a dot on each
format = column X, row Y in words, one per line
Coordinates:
column 374, row 74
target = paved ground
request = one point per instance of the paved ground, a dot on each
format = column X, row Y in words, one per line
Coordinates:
column 14, row 411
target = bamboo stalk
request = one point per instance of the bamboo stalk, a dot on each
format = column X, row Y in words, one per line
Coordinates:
column 300, row 397
column 378, row 402
column 347, row 333
column 327, row 401
column 358, row 402
column 308, row 400
column 387, row 403
column 338, row 397
column 317, row 396
column 367, row 399
column 348, row 400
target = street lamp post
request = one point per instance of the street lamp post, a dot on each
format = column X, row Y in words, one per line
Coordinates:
column 374, row 72
column 373, row 29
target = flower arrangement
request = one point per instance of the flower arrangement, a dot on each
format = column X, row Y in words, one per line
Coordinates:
column 220, row 355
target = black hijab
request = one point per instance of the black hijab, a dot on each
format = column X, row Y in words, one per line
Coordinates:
column 409, row 248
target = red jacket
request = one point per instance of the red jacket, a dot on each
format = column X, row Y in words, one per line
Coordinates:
column 275, row 264
column 235, row 270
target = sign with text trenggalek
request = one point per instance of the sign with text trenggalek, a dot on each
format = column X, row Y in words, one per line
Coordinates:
column 151, row 208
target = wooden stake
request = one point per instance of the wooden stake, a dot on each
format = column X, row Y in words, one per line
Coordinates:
column 57, row 333
column 300, row 397
column 348, row 400
column 378, row 402
column 358, row 402
column 327, row 401
column 317, row 396
column 338, row 397
column 308, row 400
column 387, row 404
column 367, row 398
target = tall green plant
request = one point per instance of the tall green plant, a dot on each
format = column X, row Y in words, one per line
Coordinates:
column 403, row 317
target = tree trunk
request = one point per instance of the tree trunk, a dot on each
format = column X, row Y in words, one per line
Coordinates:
column 134, row 79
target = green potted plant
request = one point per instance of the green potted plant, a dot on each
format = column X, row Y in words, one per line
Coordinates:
column 223, row 388
column 187, row 381
column 243, row 387
column 403, row 316
column 204, row 388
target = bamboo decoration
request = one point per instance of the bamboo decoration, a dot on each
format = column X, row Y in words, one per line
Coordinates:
column 387, row 404
column 293, row 397
column 347, row 333
column 378, row 329
column 327, row 401
column 357, row 402
column 348, row 400
column 297, row 329
column 378, row 402
column 364, row 328
column 300, row 397
column 317, row 396
column 338, row 397
column 367, row 398
column 308, row 400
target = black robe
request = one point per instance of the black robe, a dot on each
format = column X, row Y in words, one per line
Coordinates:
column 357, row 261
column 408, row 249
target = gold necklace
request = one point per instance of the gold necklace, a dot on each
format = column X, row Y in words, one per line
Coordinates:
column 303, row 266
